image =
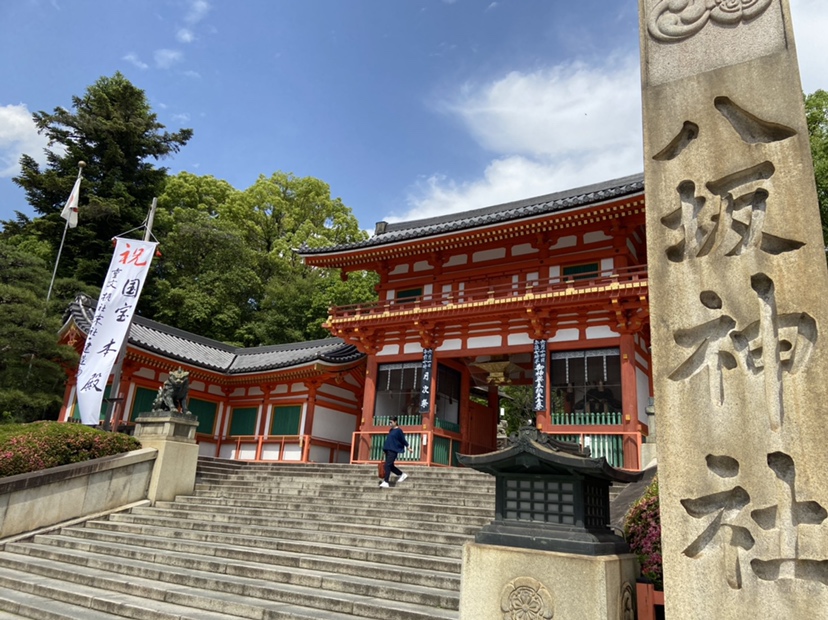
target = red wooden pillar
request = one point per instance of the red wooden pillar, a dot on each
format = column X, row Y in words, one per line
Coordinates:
column 629, row 400
column 307, row 431
column 363, row 449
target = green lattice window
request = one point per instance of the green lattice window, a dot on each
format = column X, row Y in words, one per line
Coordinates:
column 205, row 411
column 286, row 420
column 581, row 272
column 243, row 421
column 144, row 397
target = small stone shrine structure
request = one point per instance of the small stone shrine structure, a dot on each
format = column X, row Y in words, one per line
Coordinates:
column 739, row 321
column 549, row 552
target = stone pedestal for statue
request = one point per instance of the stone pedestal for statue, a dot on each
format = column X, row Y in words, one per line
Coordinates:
column 173, row 435
column 739, row 322
column 549, row 551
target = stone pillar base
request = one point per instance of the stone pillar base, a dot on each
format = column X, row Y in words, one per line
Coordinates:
column 173, row 435
column 500, row 583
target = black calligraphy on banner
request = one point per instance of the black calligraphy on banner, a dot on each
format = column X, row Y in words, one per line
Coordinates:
column 109, row 327
column 539, row 366
column 425, row 386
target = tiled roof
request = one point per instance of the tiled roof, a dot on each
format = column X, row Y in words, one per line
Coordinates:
column 530, row 207
column 214, row 355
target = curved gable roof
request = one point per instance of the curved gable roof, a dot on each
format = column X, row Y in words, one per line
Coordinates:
column 213, row 355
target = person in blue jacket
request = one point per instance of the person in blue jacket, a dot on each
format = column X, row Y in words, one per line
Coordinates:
column 395, row 444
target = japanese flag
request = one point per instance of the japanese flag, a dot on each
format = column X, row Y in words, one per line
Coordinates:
column 70, row 211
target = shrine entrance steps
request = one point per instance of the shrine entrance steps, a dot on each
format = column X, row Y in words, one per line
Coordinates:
column 261, row 541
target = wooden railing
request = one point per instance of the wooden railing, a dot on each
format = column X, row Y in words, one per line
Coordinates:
column 600, row 283
column 426, row 447
column 621, row 448
column 275, row 448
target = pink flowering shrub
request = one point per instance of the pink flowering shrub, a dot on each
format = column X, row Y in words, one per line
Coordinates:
column 643, row 532
column 31, row 447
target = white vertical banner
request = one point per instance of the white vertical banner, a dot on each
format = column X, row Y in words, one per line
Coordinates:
column 113, row 316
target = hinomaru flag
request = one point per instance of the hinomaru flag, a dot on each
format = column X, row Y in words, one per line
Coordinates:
column 113, row 316
column 70, row 210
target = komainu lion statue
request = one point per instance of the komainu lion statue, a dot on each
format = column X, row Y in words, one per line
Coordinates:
column 172, row 395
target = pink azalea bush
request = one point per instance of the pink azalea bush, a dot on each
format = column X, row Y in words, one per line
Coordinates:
column 31, row 447
column 643, row 532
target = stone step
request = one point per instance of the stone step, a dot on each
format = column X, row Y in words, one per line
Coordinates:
column 199, row 570
column 372, row 494
column 185, row 518
column 41, row 595
column 289, row 552
column 233, row 596
column 456, row 524
column 144, row 545
column 357, row 507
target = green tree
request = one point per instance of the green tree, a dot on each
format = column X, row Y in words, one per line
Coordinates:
column 206, row 281
column 32, row 364
column 113, row 129
column 816, row 114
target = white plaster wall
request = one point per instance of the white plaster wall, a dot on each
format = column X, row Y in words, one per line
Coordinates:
column 595, row 236
column 607, row 265
column 389, row 349
column 494, row 254
column 281, row 389
column 215, row 389
column 522, row 249
column 642, row 393
column 337, row 391
column 398, row 270
column 451, row 345
column 228, row 450
column 247, row 452
column 292, row 453
column 564, row 242
column 422, row 265
column 320, row 454
column 599, row 331
column 554, row 272
column 206, row 448
column 333, row 425
column 459, row 259
column 485, row 341
column 145, row 373
column 198, row 386
column 413, row 347
column 518, row 339
column 270, row 452
column 631, row 248
column 566, row 335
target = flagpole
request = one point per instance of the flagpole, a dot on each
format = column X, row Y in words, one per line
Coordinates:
column 81, row 165
column 115, row 387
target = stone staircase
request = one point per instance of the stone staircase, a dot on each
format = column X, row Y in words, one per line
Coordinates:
column 262, row 541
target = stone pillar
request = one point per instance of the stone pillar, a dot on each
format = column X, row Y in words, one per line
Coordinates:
column 173, row 435
column 738, row 283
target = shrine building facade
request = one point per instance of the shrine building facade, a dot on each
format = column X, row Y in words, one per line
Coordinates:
column 548, row 292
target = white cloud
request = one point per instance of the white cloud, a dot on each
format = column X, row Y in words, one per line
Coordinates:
column 133, row 59
column 185, row 35
column 810, row 20
column 550, row 130
column 181, row 118
column 165, row 58
column 198, row 10
column 18, row 135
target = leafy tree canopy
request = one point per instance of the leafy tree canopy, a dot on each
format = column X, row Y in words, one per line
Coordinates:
column 114, row 131
column 816, row 113
column 32, row 364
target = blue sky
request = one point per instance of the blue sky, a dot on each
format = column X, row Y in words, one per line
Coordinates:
column 407, row 108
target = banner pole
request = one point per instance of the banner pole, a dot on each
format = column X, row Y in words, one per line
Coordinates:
column 81, row 165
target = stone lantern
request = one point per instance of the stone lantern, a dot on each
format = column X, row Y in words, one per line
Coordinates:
column 550, row 495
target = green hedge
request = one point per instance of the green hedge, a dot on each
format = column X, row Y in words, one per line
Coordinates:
column 31, row 447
